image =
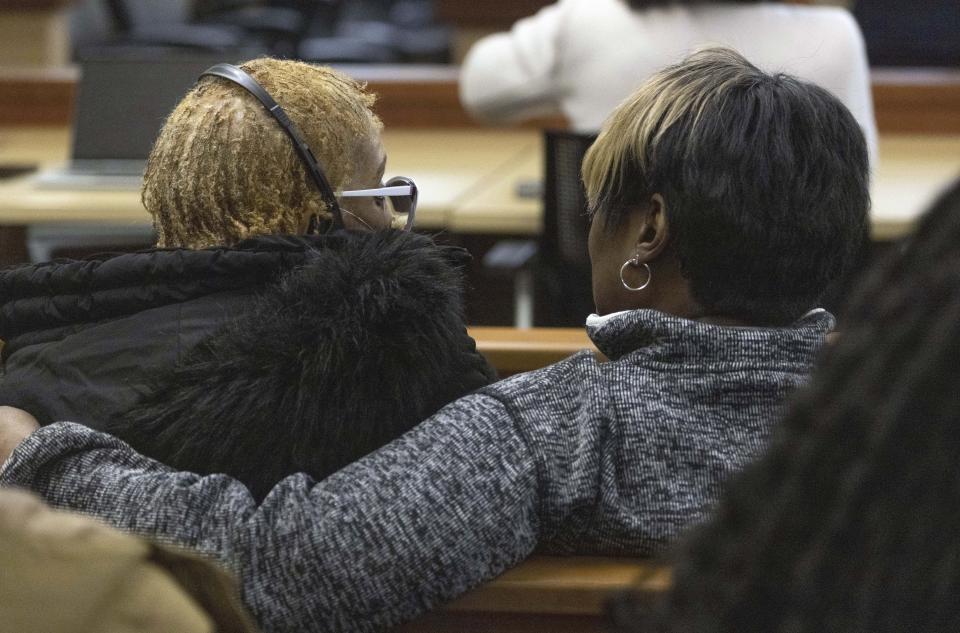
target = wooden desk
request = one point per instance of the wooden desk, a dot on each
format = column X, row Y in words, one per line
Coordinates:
column 468, row 180
column 553, row 594
column 449, row 166
column 913, row 169
column 496, row 205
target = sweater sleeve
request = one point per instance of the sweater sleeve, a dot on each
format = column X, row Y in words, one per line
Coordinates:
column 511, row 76
column 449, row 505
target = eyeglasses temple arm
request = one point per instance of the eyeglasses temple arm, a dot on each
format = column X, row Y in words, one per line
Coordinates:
column 399, row 190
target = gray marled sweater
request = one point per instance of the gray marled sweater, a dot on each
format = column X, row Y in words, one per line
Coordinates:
column 611, row 458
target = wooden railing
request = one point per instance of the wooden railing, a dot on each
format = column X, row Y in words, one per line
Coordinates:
column 906, row 101
column 489, row 14
column 925, row 101
column 511, row 350
column 37, row 96
column 546, row 594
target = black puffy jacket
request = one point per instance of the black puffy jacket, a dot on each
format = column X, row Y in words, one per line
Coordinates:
column 282, row 354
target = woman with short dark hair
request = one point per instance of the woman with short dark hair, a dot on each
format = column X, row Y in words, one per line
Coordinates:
column 752, row 236
column 848, row 522
column 582, row 456
column 580, row 58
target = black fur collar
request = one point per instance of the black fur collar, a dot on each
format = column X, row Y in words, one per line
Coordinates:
column 350, row 349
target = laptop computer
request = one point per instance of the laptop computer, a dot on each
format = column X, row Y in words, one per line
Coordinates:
column 120, row 106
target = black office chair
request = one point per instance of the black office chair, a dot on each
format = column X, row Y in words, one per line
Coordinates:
column 240, row 30
column 348, row 32
column 420, row 37
column 563, row 285
column 558, row 262
column 377, row 31
column 171, row 31
column 277, row 25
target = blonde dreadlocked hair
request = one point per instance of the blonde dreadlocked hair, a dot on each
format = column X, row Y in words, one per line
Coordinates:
column 223, row 170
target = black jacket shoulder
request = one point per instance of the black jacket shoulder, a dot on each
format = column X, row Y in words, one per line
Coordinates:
column 348, row 350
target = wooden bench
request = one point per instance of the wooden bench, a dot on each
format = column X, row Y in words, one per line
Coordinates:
column 546, row 595
column 512, row 351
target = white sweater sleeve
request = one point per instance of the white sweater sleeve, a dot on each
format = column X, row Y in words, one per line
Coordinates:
column 854, row 86
column 510, row 76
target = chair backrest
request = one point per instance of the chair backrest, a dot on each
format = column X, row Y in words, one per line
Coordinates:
column 565, row 222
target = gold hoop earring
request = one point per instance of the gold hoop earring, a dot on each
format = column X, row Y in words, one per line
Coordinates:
column 635, row 262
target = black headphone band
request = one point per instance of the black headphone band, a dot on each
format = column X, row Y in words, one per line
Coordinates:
column 243, row 79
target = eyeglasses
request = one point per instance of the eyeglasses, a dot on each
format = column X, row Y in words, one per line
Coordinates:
column 400, row 193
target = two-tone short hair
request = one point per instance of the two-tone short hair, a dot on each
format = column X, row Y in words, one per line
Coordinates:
column 765, row 180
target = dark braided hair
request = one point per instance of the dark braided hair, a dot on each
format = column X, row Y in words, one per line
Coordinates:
column 851, row 521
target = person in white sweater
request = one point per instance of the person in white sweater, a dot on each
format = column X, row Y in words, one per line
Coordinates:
column 581, row 58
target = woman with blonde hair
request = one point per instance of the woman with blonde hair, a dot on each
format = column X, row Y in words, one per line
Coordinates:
column 329, row 344
column 223, row 169
column 725, row 200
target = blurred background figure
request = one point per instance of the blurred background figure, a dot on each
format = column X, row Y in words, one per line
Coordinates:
column 582, row 57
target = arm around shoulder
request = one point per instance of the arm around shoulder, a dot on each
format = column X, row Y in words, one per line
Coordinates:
column 449, row 505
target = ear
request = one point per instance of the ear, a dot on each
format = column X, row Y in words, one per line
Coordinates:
column 652, row 230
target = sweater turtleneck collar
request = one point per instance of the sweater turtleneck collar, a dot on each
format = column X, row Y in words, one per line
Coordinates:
column 672, row 337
